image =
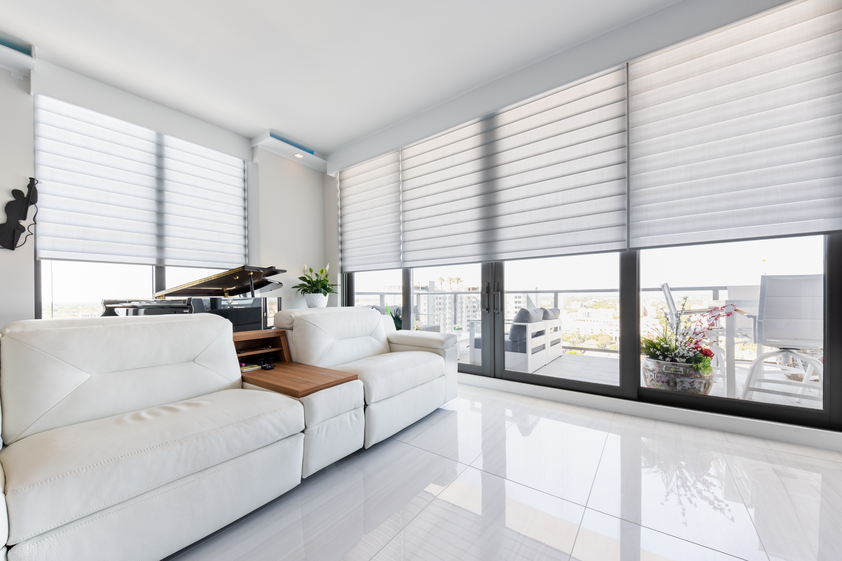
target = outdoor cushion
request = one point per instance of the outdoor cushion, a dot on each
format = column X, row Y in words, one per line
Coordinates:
column 509, row 346
column 389, row 374
column 551, row 313
column 518, row 332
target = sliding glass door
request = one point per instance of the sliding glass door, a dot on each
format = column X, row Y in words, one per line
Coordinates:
column 562, row 318
column 551, row 321
column 449, row 299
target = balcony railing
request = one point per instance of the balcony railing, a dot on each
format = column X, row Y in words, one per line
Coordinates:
column 452, row 314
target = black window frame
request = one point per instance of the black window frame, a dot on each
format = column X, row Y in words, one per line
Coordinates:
column 630, row 389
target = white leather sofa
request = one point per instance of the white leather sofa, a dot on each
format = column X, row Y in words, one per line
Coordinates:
column 131, row 438
column 406, row 375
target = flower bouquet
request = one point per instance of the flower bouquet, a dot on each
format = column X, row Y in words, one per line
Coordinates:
column 677, row 357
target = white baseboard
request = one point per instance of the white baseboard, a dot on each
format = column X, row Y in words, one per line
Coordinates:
column 792, row 434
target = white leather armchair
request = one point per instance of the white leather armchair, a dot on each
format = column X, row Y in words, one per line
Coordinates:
column 406, row 375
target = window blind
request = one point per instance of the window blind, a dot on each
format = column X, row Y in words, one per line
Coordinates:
column 546, row 177
column 111, row 191
column 370, row 215
column 738, row 134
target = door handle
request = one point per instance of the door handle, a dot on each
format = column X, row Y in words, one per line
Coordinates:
column 497, row 298
column 487, row 295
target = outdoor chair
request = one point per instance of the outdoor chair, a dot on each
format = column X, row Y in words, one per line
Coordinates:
column 790, row 318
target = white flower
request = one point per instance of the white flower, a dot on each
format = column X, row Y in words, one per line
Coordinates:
column 305, row 268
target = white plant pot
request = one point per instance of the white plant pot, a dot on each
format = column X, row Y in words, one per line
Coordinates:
column 315, row 300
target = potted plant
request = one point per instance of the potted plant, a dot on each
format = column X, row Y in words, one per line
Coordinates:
column 396, row 317
column 677, row 358
column 315, row 286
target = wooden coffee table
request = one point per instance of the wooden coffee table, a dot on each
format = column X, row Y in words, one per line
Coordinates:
column 297, row 380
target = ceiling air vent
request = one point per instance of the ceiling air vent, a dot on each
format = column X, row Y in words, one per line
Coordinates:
column 275, row 143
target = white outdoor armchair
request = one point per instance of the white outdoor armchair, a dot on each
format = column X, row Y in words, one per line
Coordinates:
column 790, row 318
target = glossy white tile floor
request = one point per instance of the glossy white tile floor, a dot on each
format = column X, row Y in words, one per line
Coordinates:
column 499, row 476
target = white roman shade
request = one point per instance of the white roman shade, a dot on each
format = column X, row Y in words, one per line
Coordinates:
column 734, row 135
column 114, row 192
column 546, row 177
column 370, row 215
column 738, row 134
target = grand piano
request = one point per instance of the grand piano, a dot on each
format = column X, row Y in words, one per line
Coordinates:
column 233, row 294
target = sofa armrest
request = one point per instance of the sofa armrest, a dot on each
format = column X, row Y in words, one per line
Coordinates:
column 443, row 344
column 4, row 515
column 423, row 339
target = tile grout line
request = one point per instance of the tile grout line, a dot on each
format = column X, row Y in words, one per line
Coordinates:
column 588, row 499
column 743, row 500
column 596, row 472
column 576, row 539
column 663, row 533
column 470, row 465
column 524, row 485
column 718, row 447
column 466, row 464
column 409, row 521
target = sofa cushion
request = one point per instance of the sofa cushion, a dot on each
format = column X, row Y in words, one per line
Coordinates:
column 330, row 339
column 58, row 476
column 386, row 375
column 62, row 372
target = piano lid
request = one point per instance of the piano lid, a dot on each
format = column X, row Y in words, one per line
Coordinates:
column 242, row 280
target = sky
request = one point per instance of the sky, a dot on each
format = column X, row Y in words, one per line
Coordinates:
column 76, row 281
column 738, row 263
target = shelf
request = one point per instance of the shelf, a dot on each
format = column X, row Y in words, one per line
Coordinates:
column 245, row 343
column 259, row 351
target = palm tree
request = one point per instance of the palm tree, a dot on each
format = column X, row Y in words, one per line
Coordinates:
column 450, row 283
column 457, row 280
column 441, row 282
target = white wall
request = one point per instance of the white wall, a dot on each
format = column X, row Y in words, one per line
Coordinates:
column 286, row 199
column 253, row 212
column 60, row 83
column 291, row 220
column 666, row 27
column 17, row 268
column 331, row 209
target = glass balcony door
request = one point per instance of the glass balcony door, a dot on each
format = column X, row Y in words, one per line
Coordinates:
column 454, row 299
column 562, row 318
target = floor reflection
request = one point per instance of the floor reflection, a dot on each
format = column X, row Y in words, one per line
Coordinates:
column 497, row 476
column 796, row 502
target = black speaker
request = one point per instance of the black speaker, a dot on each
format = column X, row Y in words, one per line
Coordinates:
column 244, row 319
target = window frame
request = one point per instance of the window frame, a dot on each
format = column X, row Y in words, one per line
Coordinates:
column 630, row 389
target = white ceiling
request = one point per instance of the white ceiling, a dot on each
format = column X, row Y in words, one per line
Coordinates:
column 322, row 73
